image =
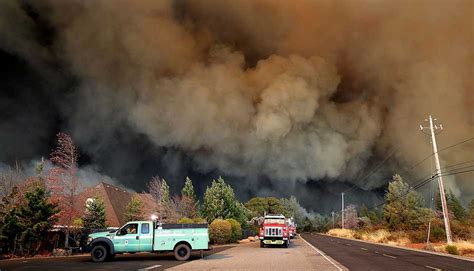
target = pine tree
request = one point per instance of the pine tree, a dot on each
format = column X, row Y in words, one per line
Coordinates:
column 454, row 205
column 134, row 209
column 292, row 208
column 188, row 189
column 94, row 217
column 220, row 202
column 471, row 209
column 404, row 207
column 36, row 217
column 187, row 202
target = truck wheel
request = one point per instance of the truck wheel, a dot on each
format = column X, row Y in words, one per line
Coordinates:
column 182, row 252
column 99, row 253
column 262, row 244
column 287, row 244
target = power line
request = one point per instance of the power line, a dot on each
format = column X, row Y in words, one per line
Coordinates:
column 440, row 150
column 453, row 170
column 454, row 145
column 459, row 172
column 458, row 164
column 375, row 169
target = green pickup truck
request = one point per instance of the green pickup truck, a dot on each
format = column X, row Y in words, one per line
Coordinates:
column 149, row 236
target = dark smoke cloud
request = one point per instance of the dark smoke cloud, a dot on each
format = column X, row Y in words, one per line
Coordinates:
column 279, row 95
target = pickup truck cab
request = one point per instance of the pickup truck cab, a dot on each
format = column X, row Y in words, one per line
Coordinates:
column 149, row 236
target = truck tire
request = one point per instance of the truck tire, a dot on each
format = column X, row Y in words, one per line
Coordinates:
column 99, row 253
column 262, row 244
column 287, row 244
column 182, row 252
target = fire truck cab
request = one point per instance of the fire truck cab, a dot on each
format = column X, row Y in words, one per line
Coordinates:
column 274, row 231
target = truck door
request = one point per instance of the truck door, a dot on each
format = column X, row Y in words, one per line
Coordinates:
column 146, row 237
column 127, row 238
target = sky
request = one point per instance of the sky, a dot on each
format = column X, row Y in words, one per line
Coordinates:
column 304, row 98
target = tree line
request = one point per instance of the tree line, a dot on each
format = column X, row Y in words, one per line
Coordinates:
column 404, row 211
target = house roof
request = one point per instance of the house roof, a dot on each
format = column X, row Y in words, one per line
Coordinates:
column 115, row 201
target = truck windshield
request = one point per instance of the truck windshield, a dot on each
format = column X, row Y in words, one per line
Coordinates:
column 274, row 221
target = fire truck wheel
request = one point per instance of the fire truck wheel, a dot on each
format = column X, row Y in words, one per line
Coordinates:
column 262, row 244
column 99, row 253
column 287, row 244
column 182, row 252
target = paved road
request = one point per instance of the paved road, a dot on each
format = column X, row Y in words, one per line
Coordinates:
column 121, row 262
column 299, row 256
column 357, row 255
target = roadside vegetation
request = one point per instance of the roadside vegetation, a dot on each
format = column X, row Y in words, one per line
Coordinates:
column 404, row 221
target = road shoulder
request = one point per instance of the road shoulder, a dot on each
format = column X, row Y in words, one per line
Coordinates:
column 404, row 248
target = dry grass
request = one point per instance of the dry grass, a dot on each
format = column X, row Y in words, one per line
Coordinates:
column 345, row 233
column 378, row 236
column 464, row 247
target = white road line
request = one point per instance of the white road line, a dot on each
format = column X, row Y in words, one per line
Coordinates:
column 322, row 254
column 363, row 248
column 149, row 267
column 390, row 256
column 434, row 268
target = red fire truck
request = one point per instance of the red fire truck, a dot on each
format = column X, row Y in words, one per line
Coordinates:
column 274, row 231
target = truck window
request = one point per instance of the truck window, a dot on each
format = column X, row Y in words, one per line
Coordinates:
column 274, row 221
column 129, row 229
column 145, row 228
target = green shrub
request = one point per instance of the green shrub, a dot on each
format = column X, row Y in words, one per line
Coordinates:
column 220, row 231
column 437, row 233
column 236, row 230
column 418, row 236
column 451, row 249
column 185, row 220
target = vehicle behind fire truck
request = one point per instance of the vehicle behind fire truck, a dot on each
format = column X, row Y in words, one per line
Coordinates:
column 290, row 223
column 274, row 231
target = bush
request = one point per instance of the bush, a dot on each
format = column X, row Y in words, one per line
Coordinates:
column 451, row 249
column 220, row 231
column 437, row 233
column 460, row 230
column 199, row 220
column 236, row 230
column 418, row 236
column 185, row 220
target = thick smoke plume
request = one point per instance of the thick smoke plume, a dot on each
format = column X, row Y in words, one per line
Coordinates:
column 285, row 90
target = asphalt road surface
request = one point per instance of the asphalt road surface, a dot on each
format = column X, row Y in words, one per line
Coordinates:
column 357, row 255
column 250, row 256
column 139, row 261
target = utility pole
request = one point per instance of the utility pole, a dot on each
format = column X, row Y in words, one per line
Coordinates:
column 332, row 213
column 342, row 210
column 433, row 130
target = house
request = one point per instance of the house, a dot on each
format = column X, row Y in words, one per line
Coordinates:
column 115, row 200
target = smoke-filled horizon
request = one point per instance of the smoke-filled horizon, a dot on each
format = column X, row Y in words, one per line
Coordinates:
column 282, row 97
